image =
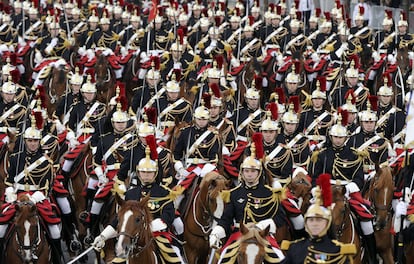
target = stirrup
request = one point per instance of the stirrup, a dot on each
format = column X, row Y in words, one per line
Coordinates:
column 75, row 246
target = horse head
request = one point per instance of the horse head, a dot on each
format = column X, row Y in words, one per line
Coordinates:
column 252, row 244
column 300, row 187
column 105, row 79
column 340, row 210
column 28, row 231
column 380, row 194
column 134, row 227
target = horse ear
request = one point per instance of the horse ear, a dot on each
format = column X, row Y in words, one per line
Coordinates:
column 343, row 190
column 263, row 233
column 119, row 200
column 243, row 229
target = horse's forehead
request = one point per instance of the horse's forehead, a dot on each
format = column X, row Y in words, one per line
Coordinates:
column 126, row 216
column 252, row 250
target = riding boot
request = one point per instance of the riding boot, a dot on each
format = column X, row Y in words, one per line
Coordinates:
column 57, row 253
column 68, row 222
column 93, row 229
column 85, row 215
column 371, row 248
column 2, row 250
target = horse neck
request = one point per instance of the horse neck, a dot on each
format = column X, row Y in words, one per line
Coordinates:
column 200, row 206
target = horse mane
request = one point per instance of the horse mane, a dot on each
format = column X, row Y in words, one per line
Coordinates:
column 254, row 233
column 205, row 182
column 382, row 179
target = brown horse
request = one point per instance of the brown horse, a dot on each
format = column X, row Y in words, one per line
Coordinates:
column 5, row 150
column 27, row 239
column 105, row 79
column 300, row 187
column 342, row 220
column 253, row 245
column 135, row 241
column 207, row 206
column 130, row 76
column 245, row 78
column 380, row 193
column 55, row 85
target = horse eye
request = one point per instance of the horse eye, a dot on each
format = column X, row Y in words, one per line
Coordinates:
column 137, row 220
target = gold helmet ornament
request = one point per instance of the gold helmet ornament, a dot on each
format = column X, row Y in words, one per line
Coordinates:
column 321, row 207
column 370, row 115
column 173, row 86
column 361, row 12
column 291, row 116
column 249, row 26
column 33, row 132
column 9, row 87
column 320, row 91
column 386, row 89
column 293, row 76
column 154, row 72
column 403, row 20
column 76, row 78
column 150, row 162
column 89, row 86
column 254, row 161
column 387, row 18
column 278, row 96
column 352, row 71
column 270, row 124
column 339, row 129
column 350, row 104
column 202, row 112
column 145, row 128
column 121, row 114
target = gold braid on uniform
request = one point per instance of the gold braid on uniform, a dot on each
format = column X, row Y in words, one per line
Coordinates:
column 107, row 39
column 166, row 251
column 340, row 164
column 17, row 115
column 231, row 252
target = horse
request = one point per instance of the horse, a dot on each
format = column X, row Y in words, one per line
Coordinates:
column 55, row 84
column 380, row 193
column 27, row 241
column 253, row 245
column 135, row 238
column 245, row 78
column 105, row 79
column 300, row 187
column 5, row 150
column 173, row 134
column 205, row 208
column 343, row 223
column 130, row 76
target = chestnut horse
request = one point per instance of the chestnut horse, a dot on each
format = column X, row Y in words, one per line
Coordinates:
column 253, row 245
column 206, row 207
column 55, row 86
column 343, row 223
column 135, row 239
column 5, row 150
column 300, row 187
column 27, row 241
column 380, row 193
column 105, row 79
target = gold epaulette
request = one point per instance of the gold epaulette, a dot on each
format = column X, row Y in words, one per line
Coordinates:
column 200, row 45
column 196, row 59
column 285, row 245
column 182, row 129
column 171, row 36
column 227, row 47
column 360, row 153
column 225, row 195
column 346, row 249
column 315, row 155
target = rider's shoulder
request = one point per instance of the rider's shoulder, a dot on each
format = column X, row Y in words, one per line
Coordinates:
column 286, row 243
column 345, row 249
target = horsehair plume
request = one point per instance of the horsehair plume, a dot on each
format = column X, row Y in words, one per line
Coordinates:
column 217, row 21
column 184, row 29
column 51, row 11
column 318, row 12
column 172, row 3
column 281, row 94
column 324, row 181
column 205, row 12
column 122, row 96
column 152, row 144
column 220, row 61
column 351, row 93
column 79, row 3
column 111, row 2
column 257, row 3
column 161, row 11
column 327, row 16
column 298, row 15
column 344, row 115
column 35, row 4
column 354, row 58
column 185, row 8
column 38, row 118
column 278, row 9
column 91, row 72
column 388, row 13
column 1, row 6
column 297, row 66
column 251, row 20
column 361, row 10
column 258, row 81
column 272, row 107
column 42, row 95
column 387, row 79
column 15, row 75
column 7, row 9
column 137, row 10
column 338, row 4
column 295, row 101
column 80, row 67
column 157, row 62
column 216, row 90
column 222, row 6
column 257, row 138
column 271, row 7
column 175, row 5
column 207, row 100
column 105, row 13
column 151, row 113
column 373, row 99
column 177, row 73
column 403, row 15
column 180, row 34
column 322, row 82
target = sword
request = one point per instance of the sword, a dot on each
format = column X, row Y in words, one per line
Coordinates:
column 212, row 254
column 81, row 255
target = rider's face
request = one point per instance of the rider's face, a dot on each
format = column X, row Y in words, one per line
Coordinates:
column 32, row 145
column 316, row 225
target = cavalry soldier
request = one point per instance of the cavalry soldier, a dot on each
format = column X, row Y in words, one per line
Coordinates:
column 151, row 91
column 368, row 140
column 361, row 92
column 250, row 46
column 385, row 38
column 391, row 119
column 156, row 38
column 251, row 202
column 161, row 207
column 232, row 33
column 103, row 37
column 295, row 41
column 197, row 149
column 320, row 246
column 362, row 32
column 85, row 124
column 34, row 26
column 86, row 35
column 111, row 151
column 8, row 34
column 71, row 98
column 346, row 168
column 293, row 139
column 31, row 173
column 291, row 87
column 17, row 17
column 404, row 39
column 212, row 46
column 325, row 35
column 314, row 122
column 195, row 15
column 351, row 115
column 198, row 32
column 171, row 107
column 11, row 112
column 54, row 44
column 132, row 35
column 274, row 33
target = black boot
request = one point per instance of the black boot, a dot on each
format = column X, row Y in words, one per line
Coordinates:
column 85, row 215
column 2, row 250
column 68, row 222
column 93, row 229
column 371, row 248
column 57, row 253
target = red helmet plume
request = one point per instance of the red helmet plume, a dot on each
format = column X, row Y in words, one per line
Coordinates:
column 151, row 113
column 257, row 138
column 258, row 82
column 215, row 89
column 387, row 75
column 295, row 101
column 207, row 100
column 272, row 107
column 220, row 61
column 322, row 82
column 152, row 144
column 180, row 34
column 38, row 118
column 281, row 94
column 156, row 61
column 361, row 10
column 344, row 115
column 177, row 73
column 327, row 16
column 318, row 12
column 373, row 99
column 91, row 72
column 351, row 92
column 324, row 181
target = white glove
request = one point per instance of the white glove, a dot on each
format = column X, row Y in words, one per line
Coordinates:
column 315, row 57
column 73, row 143
column 10, row 194
column 216, row 235
column 208, row 50
column 107, row 233
column 179, row 168
column 91, row 54
column 183, row 173
column 60, row 128
column 158, row 225
column 262, row 225
column 38, row 57
column 37, row 197
column 207, row 168
column 351, row 188
column 48, row 50
column 265, row 82
column 225, row 150
column 401, row 209
column 113, row 101
column 82, row 51
column 177, row 65
column 107, row 52
column 391, row 59
column 276, row 184
column 102, row 181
